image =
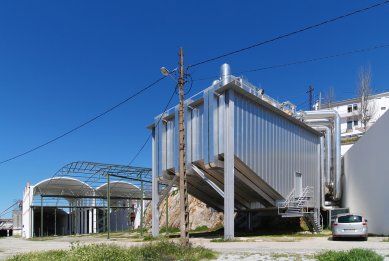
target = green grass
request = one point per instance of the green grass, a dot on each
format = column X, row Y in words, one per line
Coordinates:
column 200, row 229
column 350, row 140
column 356, row 254
column 169, row 230
column 161, row 250
column 385, row 240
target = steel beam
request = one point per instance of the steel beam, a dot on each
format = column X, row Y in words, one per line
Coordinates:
column 229, row 167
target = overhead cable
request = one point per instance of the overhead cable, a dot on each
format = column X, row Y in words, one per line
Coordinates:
column 85, row 123
column 362, row 50
column 331, row 20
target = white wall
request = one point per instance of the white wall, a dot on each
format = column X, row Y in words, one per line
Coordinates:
column 366, row 179
column 26, row 211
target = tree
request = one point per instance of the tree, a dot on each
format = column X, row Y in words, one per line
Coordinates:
column 366, row 107
column 329, row 97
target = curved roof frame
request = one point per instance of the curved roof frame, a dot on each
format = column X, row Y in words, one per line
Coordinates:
column 79, row 179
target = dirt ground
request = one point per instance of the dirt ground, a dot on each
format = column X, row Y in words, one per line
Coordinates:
column 253, row 248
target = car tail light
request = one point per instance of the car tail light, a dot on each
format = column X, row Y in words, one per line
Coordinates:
column 364, row 223
column 335, row 224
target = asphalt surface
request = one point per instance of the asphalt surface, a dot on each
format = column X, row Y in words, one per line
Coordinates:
column 262, row 248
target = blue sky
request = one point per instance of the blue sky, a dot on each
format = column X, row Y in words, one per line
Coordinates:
column 63, row 62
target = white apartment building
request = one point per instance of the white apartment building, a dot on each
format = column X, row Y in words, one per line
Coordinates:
column 349, row 111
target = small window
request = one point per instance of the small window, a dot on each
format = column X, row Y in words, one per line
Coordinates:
column 383, row 108
column 355, row 123
column 349, row 108
column 355, row 107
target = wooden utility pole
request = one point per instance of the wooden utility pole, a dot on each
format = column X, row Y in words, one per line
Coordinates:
column 310, row 91
column 184, row 213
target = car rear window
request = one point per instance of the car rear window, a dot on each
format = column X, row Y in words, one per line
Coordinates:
column 349, row 219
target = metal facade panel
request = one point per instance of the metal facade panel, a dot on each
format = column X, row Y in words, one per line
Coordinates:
column 197, row 142
column 274, row 147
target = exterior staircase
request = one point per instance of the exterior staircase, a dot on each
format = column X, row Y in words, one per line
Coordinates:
column 298, row 206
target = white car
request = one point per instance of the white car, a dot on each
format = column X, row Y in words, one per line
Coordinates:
column 349, row 225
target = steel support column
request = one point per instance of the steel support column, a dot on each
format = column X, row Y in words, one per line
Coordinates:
column 55, row 221
column 141, row 208
column 41, row 230
column 229, row 167
column 155, row 195
column 108, row 206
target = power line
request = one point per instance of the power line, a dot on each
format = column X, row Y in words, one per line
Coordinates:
column 362, row 50
column 85, row 123
column 5, row 211
column 291, row 33
column 148, row 138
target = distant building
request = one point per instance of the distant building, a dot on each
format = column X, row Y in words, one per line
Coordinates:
column 6, row 227
column 349, row 111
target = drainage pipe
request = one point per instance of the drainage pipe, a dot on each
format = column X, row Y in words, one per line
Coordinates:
column 334, row 116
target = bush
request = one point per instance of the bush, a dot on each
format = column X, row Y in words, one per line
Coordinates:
column 200, row 229
column 169, row 230
column 356, row 254
column 161, row 250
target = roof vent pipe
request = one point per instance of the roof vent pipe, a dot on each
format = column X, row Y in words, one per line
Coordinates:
column 225, row 72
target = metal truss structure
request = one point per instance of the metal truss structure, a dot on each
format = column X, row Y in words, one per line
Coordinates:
column 84, row 186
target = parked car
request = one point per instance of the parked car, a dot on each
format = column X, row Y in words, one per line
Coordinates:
column 349, row 225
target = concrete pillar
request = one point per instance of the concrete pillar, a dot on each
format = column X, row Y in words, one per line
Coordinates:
column 229, row 167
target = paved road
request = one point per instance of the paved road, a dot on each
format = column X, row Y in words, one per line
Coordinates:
column 261, row 249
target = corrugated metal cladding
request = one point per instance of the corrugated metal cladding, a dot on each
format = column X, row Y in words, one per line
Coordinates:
column 274, row 147
column 269, row 143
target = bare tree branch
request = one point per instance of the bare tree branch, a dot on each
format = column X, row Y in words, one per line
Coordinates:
column 329, row 97
column 366, row 107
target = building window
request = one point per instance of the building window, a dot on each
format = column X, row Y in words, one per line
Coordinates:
column 355, row 122
column 383, row 108
column 355, row 107
column 349, row 108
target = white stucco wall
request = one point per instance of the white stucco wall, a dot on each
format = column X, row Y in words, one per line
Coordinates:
column 366, row 179
column 26, row 211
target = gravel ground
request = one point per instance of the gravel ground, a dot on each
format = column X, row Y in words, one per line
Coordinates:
column 263, row 248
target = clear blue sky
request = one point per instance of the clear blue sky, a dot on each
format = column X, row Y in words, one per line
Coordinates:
column 63, row 62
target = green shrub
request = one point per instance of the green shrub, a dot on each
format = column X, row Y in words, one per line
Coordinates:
column 200, row 229
column 160, row 250
column 356, row 254
column 169, row 230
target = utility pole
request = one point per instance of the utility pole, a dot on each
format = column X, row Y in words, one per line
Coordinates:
column 310, row 91
column 184, row 213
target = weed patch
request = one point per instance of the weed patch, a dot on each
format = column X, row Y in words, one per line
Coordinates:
column 351, row 255
column 161, row 250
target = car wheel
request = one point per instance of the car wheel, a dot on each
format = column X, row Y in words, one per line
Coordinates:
column 334, row 238
column 365, row 239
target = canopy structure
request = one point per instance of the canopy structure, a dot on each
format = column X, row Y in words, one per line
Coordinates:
column 64, row 187
column 75, row 200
